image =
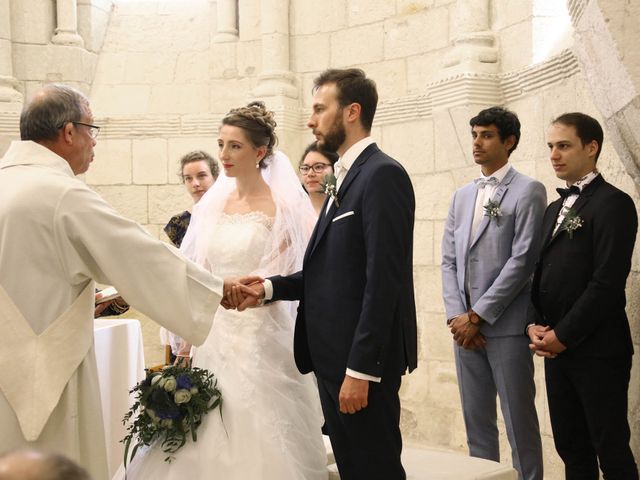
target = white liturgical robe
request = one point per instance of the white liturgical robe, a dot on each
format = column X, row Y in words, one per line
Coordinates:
column 56, row 237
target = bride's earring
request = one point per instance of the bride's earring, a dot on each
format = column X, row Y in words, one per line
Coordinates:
column 258, row 165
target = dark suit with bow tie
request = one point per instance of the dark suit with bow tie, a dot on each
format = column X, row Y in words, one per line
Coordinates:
column 357, row 310
column 579, row 291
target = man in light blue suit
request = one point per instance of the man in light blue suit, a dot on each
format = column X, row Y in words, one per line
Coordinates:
column 489, row 249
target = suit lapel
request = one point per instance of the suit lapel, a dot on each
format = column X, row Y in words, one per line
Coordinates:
column 354, row 171
column 497, row 198
column 579, row 204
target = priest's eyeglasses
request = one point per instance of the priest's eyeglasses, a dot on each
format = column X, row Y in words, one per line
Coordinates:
column 93, row 129
column 316, row 167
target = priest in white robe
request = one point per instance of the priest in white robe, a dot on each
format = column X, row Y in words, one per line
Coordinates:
column 57, row 237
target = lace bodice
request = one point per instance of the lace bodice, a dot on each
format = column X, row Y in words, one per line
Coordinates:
column 238, row 243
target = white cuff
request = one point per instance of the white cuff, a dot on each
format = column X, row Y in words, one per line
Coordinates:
column 363, row 376
column 268, row 289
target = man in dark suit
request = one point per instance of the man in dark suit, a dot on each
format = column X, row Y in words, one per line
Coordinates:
column 356, row 324
column 579, row 297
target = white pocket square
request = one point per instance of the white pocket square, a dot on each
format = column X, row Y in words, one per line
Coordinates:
column 348, row 214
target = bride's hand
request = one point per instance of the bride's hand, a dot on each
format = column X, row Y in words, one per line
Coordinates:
column 242, row 292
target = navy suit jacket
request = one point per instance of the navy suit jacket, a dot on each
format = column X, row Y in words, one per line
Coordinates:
column 579, row 282
column 357, row 307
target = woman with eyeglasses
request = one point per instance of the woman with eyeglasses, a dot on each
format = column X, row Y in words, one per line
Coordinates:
column 315, row 164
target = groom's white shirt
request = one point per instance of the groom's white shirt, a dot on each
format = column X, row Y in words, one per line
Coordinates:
column 58, row 236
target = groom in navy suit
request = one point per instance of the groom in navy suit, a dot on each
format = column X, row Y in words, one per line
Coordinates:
column 356, row 324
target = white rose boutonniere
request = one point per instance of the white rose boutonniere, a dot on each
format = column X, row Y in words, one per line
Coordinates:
column 492, row 210
column 571, row 222
column 329, row 187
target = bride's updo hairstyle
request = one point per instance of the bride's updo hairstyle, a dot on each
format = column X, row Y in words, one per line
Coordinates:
column 259, row 125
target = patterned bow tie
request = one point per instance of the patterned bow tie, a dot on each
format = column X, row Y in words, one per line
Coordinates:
column 567, row 192
column 483, row 182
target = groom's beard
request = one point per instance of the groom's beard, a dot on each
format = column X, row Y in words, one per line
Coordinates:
column 336, row 135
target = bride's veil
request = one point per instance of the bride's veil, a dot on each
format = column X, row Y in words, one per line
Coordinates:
column 292, row 225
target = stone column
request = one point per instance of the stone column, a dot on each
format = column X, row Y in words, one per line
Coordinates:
column 227, row 16
column 8, row 84
column 276, row 77
column 67, row 31
column 474, row 41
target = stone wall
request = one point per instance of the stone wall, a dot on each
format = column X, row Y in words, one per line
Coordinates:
column 162, row 73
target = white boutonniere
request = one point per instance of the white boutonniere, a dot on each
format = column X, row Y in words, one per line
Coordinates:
column 329, row 187
column 492, row 210
column 571, row 222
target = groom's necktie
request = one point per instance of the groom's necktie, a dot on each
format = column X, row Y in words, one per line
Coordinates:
column 341, row 172
column 567, row 192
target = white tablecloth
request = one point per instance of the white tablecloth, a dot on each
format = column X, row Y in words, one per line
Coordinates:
column 120, row 359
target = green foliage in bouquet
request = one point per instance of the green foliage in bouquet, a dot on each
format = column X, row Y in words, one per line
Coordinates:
column 169, row 405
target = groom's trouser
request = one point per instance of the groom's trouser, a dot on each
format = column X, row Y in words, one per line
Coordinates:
column 368, row 443
column 503, row 367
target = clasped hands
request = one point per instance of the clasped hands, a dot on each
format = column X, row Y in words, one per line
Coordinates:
column 544, row 341
column 244, row 292
column 466, row 333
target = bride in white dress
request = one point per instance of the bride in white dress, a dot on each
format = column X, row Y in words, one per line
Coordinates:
column 255, row 219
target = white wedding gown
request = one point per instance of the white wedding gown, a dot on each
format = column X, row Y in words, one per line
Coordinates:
column 271, row 419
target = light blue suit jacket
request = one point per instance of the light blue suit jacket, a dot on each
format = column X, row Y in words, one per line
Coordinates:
column 499, row 260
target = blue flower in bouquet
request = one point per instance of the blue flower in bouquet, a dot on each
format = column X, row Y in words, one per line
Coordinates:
column 170, row 405
column 183, row 382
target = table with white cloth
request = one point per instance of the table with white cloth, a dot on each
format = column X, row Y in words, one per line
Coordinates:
column 120, row 360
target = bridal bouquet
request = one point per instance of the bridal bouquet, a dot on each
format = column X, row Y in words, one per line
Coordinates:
column 170, row 405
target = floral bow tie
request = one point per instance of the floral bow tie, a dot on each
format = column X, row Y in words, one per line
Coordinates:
column 567, row 192
column 483, row 182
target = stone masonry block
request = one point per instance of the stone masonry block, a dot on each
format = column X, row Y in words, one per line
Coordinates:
column 150, row 161
column 410, row 7
column 362, row 12
column 249, row 58
column 428, row 289
column 437, row 341
column 53, row 63
column 506, row 12
column 112, row 163
column 150, row 68
column 32, row 21
column 357, row 46
column 311, row 52
column 443, row 388
column 411, row 143
column 309, row 17
column 111, row 68
column 438, row 233
column 423, row 240
column 223, row 60
column 390, row 77
column 422, row 69
column 248, row 20
column 433, row 195
column 191, row 67
column 167, row 200
column 227, row 94
column 107, row 100
column 452, row 137
column 179, row 98
column 129, row 200
column 516, row 49
column 416, row 34
column 178, row 147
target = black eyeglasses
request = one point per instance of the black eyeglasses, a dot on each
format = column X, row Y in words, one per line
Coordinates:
column 317, row 168
column 94, row 130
